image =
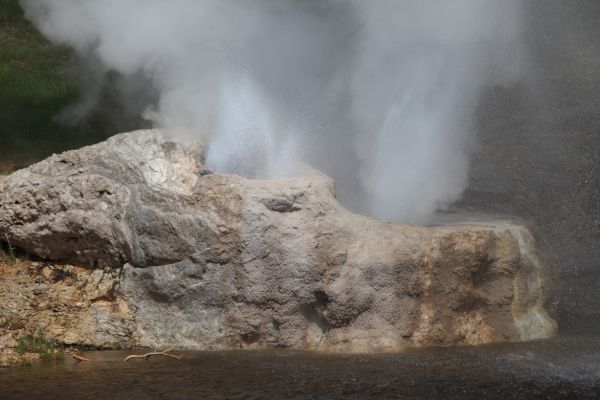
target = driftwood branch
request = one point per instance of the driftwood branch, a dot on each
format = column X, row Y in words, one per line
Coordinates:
column 79, row 358
column 153, row 353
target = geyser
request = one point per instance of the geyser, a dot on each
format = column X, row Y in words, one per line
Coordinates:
column 378, row 94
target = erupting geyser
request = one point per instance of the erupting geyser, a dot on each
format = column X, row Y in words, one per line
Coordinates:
column 378, row 94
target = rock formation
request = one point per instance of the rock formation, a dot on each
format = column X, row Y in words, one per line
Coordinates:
column 169, row 253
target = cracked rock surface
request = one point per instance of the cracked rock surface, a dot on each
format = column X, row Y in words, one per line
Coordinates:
column 210, row 261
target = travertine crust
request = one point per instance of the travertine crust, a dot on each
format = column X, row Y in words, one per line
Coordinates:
column 210, row 261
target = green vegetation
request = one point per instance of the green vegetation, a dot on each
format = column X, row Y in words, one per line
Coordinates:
column 34, row 86
column 39, row 345
column 37, row 82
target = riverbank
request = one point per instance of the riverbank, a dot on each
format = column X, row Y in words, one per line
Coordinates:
column 43, row 309
column 20, row 344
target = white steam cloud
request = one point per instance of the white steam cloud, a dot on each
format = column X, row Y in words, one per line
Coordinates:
column 380, row 94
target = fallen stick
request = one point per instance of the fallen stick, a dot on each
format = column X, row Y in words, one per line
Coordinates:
column 79, row 358
column 153, row 353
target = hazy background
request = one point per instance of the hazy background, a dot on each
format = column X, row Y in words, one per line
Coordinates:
column 538, row 150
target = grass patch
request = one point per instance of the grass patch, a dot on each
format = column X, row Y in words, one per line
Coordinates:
column 35, row 85
column 37, row 82
column 38, row 345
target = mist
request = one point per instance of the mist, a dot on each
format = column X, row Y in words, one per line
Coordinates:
column 379, row 94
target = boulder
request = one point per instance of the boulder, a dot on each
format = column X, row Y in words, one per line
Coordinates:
column 212, row 261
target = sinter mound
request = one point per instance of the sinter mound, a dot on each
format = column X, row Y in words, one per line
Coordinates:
column 168, row 253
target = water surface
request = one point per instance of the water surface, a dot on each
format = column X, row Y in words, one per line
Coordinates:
column 555, row 369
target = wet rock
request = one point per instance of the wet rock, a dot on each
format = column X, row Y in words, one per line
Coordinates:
column 181, row 256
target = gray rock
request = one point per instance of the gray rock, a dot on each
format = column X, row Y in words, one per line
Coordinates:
column 215, row 261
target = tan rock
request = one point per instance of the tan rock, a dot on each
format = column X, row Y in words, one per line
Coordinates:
column 181, row 256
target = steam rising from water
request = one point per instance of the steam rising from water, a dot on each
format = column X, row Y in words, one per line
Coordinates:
column 380, row 94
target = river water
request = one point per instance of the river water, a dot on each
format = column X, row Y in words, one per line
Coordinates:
column 556, row 369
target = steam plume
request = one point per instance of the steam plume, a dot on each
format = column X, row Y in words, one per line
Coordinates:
column 380, row 94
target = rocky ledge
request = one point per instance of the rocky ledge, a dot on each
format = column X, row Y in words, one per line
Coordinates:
column 163, row 252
